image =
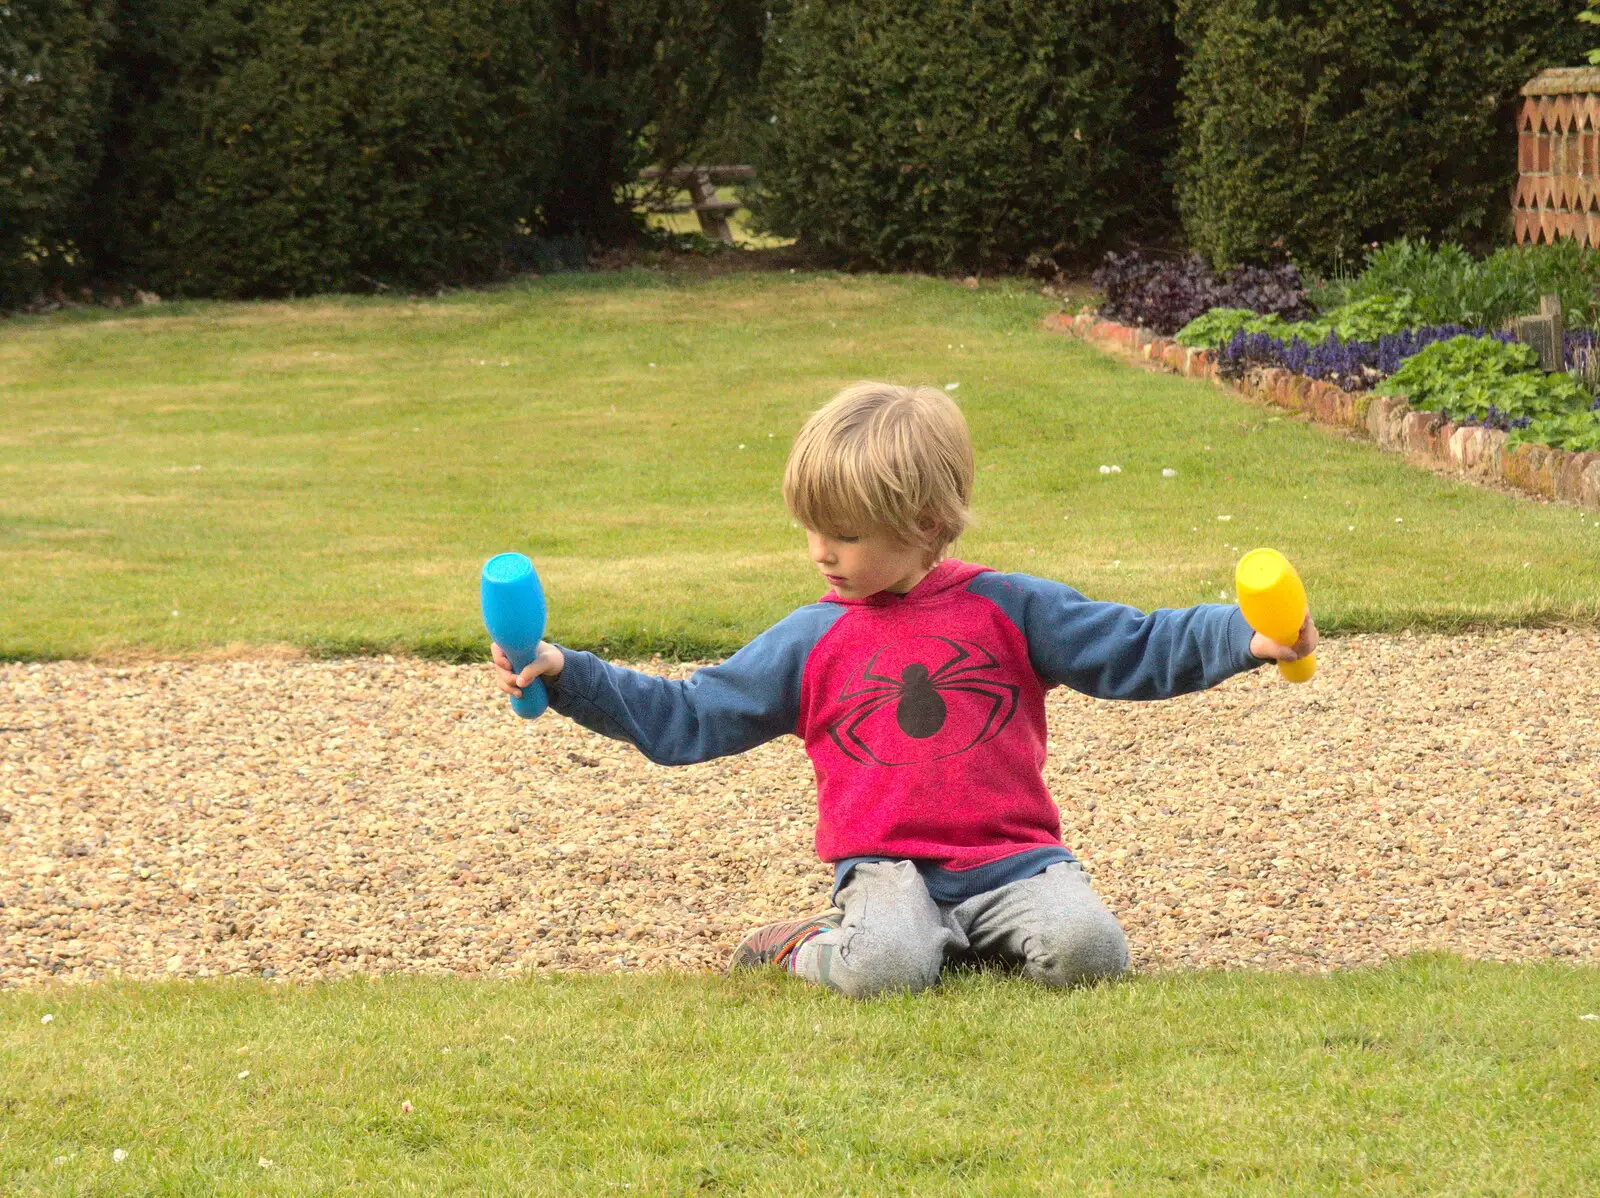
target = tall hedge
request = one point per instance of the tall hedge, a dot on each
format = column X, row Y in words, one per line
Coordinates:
column 642, row 81
column 966, row 133
column 52, row 105
column 1312, row 127
column 271, row 146
column 324, row 145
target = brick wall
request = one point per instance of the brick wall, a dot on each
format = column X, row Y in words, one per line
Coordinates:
column 1558, row 160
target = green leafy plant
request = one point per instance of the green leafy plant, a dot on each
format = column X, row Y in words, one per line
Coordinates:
column 1468, row 375
column 1218, row 326
column 1481, row 380
column 1362, row 320
column 1447, row 285
column 1590, row 17
column 1373, row 316
column 1576, row 432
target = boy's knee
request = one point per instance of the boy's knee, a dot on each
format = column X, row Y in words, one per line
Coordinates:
column 877, row 965
column 1079, row 952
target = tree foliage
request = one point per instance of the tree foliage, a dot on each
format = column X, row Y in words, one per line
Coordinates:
column 52, row 106
column 969, row 133
column 271, row 146
column 1314, row 127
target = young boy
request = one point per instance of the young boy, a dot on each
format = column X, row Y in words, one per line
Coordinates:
column 917, row 684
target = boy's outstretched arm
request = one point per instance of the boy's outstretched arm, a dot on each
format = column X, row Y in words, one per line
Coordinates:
column 752, row 697
column 1113, row 651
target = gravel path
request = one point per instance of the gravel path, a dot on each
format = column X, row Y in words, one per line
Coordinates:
column 308, row 819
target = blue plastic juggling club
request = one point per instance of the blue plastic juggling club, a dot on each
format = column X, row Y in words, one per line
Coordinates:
column 514, row 613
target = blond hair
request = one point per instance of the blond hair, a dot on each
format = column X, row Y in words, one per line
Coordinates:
column 879, row 454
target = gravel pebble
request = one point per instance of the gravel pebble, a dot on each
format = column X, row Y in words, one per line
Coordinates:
column 301, row 819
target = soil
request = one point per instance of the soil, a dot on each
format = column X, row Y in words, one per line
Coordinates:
column 302, row 819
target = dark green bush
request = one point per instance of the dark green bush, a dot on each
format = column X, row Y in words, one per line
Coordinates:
column 1314, row 127
column 319, row 145
column 970, row 133
column 52, row 105
column 644, row 82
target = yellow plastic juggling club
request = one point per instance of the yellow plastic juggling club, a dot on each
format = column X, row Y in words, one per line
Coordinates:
column 1273, row 601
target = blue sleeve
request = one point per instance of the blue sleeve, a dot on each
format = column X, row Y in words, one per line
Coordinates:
column 752, row 697
column 1112, row 651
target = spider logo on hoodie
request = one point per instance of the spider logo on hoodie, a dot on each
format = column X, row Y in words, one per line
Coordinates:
column 922, row 699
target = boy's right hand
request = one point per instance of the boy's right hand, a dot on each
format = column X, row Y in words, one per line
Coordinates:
column 547, row 663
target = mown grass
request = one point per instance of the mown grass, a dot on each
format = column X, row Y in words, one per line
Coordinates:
column 1430, row 1076
column 331, row 473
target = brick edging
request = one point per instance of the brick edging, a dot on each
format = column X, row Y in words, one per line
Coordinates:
column 1477, row 454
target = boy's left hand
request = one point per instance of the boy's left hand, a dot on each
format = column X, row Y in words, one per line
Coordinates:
column 1270, row 650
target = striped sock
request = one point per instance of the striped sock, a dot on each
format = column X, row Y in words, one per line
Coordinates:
column 792, row 949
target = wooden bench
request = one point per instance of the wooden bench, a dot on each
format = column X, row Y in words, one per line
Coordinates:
column 702, row 183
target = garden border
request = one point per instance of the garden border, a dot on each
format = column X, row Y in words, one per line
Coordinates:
column 1475, row 453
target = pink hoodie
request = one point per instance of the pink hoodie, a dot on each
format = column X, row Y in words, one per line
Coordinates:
column 925, row 723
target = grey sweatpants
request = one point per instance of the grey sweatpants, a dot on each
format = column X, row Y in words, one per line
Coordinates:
column 896, row 936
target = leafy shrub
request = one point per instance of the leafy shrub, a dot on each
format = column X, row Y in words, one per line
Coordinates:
column 1164, row 296
column 1447, row 284
column 1577, row 431
column 1372, row 317
column 326, row 145
column 1364, row 320
column 1218, row 326
column 970, row 133
column 1475, row 380
column 1352, row 365
column 52, row 107
column 644, row 82
column 1314, row 127
column 317, row 145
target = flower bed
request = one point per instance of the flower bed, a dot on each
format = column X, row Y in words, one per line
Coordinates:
column 1476, row 451
column 1473, row 375
column 1352, row 365
column 1418, row 321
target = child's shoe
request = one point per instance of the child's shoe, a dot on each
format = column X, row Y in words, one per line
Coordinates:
column 775, row 943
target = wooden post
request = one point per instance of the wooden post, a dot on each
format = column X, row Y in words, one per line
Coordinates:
column 713, row 221
column 1545, row 334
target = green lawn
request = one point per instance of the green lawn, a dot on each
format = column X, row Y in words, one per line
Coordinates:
column 330, row 473
column 1430, row 1076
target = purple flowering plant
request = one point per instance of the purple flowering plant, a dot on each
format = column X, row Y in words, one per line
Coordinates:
column 1350, row 365
column 1164, row 295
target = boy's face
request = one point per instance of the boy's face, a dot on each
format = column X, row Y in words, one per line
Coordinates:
column 875, row 560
